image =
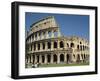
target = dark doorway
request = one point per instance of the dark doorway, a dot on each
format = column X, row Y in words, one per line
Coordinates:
column 55, row 58
column 43, row 58
column 55, row 44
column 49, row 45
column 38, row 59
column 48, row 58
column 38, row 46
column 68, row 58
column 72, row 45
column 43, row 45
column 61, row 44
column 61, row 58
column 33, row 58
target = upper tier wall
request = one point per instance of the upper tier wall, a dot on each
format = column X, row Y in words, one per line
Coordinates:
column 45, row 23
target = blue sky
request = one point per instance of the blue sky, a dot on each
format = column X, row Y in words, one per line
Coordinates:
column 70, row 25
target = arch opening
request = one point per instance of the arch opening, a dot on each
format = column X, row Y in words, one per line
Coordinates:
column 55, row 44
column 48, row 58
column 61, row 44
column 68, row 58
column 55, row 58
column 43, row 58
column 61, row 58
column 72, row 45
column 49, row 45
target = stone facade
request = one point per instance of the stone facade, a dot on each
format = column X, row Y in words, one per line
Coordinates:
column 46, row 45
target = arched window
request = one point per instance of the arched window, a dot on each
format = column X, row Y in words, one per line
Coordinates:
column 43, row 58
column 72, row 45
column 49, row 45
column 38, row 58
column 81, row 47
column 67, row 45
column 43, row 45
column 33, row 58
column 61, row 44
column 61, row 58
column 34, row 46
column 82, row 56
column 78, row 47
column 38, row 46
column 55, row 44
column 48, row 58
column 68, row 58
column 55, row 58
column 35, row 36
column 39, row 35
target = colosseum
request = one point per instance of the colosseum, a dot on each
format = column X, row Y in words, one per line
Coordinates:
column 46, row 45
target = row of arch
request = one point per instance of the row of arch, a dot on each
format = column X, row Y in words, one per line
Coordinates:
column 47, row 45
column 56, row 59
column 43, row 35
column 48, row 58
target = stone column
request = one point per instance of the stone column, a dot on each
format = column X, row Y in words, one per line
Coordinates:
column 47, row 34
column 58, row 44
column 45, row 58
column 81, row 57
column 58, row 58
column 65, row 59
column 40, row 58
column 71, row 57
column 52, row 33
column 32, row 47
column 51, row 58
column 36, row 47
column 31, row 58
column 37, row 36
column 42, row 36
column 52, row 45
column 41, row 46
column 35, row 58
column 46, row 46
